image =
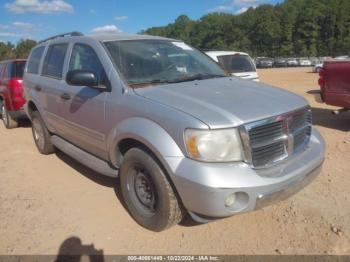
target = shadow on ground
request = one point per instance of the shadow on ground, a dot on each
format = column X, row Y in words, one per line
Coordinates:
column 23, row 123
column 72, row 250
column 324, row 117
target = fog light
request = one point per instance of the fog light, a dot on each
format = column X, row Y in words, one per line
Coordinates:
column 230, row 200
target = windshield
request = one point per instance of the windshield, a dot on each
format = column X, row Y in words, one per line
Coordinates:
column 236, row 63
column 143, row 62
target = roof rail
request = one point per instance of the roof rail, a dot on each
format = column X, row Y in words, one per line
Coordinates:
column 74, row 33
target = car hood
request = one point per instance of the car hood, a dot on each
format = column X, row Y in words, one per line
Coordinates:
column 224, row 102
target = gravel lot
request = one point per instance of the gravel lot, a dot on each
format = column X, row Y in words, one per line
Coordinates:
column 51, row 204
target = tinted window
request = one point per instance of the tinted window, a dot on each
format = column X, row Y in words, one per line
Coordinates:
column 236, row 63
column 84, row 58
column 34, row 60
column 18, row 69
column 54, row 60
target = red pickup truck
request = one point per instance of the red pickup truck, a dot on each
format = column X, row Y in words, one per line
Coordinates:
column 11, row 92
column 334, row 82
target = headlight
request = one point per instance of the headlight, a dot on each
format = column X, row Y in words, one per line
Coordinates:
column 214, row 145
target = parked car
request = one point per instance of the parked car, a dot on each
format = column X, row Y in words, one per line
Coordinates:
column 334, row 84
column 264, row 63
column 236, row 63
column 314, row 61
column 11, row 92
column 304, row 62
column 280, row 62
column 292, row 62
column 180, row 133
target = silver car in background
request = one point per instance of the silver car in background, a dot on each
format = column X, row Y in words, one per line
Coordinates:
column 292, row 62
column 182, row 135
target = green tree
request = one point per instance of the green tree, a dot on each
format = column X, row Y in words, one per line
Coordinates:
column 6, row 51
column 291, row 28
column 23, row 48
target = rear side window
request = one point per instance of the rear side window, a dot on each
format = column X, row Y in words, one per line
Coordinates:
column 84, row 58
column 236, row 63
column 34, row 60
column 54, row 60
column 18, row 69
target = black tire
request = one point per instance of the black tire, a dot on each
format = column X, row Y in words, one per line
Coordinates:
column 148, row 195
column 41, row 135
column 8, row 121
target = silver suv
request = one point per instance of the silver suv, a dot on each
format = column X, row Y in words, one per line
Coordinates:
column 182, row 135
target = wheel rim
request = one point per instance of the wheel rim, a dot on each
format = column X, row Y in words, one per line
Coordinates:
column 38, row 133
column 143, row 190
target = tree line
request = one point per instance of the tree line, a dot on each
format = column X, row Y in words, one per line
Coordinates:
column 21, row 50
column 292, row 28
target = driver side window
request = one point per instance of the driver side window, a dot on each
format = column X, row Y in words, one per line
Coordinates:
column 84, row 58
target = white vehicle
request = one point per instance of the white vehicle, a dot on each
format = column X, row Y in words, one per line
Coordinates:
column 236, row 63
column 318, row 67
column 304, row 62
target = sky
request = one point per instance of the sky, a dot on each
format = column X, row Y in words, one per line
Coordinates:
column 39, row 19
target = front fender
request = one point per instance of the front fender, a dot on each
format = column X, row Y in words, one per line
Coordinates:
column 146, row 132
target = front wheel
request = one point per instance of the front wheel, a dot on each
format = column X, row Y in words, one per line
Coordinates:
column 41, row 135
column 150, row 198
column 8, row 121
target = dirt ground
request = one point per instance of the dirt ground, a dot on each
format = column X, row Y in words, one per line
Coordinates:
column 51, row 204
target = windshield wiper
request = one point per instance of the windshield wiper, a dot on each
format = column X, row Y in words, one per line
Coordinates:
column 199, row 76
column 154, row 81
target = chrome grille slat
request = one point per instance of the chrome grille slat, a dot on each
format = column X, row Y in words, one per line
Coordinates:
column 266, row 133
column 257, row 130
column 274, row 150
column 269, row 141
column 271, row 136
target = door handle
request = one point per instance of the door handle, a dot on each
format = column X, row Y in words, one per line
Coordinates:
column 65, row 96
column 38, row 88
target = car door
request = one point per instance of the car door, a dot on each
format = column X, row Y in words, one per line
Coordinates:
column 49, row 86
column 84, row 107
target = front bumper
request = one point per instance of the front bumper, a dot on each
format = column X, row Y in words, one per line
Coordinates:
column 204, row 187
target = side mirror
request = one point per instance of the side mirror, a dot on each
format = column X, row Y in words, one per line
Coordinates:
column 82, row 78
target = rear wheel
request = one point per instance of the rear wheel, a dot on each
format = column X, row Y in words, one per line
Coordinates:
column 8, row 121
column 41, row 135
column 149, row 196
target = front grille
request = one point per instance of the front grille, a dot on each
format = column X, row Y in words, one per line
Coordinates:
column 273, row 151
column 268, row 141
